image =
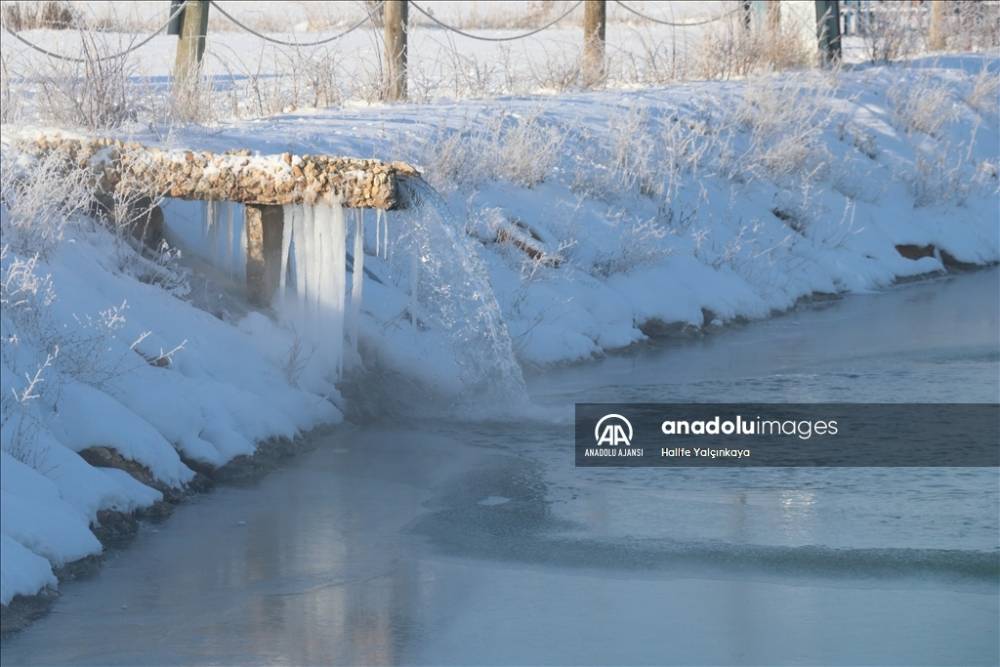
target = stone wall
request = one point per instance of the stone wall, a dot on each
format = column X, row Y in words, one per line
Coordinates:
column 233, row 176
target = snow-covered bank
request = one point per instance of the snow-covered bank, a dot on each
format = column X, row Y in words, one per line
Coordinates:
column 693, row 204
column 597, row 216
column 98, row 353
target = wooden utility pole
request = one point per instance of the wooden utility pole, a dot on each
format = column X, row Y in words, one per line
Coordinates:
column 594, row 24
column 828, row 30
column 191, row 45
column 177, row 20
column 394, row 16
column 936, row 36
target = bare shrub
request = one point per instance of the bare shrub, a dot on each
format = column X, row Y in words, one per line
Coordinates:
column 984, row 94
column 311, row 77
column 319, row 74
column 641, row 241
column 635, row 159
column 498, row 17
column 297, row 360
column 521, row 150
column 785, row 120
column 892, row 29
column 921, row 105
column 730, row 50
column 40, row 197
column 556, row 72
column 192, row 99
column 657, row 61
column 46, row 15
column 972, row 25
column 11, row 101
column 95, row 93
column 936, row 180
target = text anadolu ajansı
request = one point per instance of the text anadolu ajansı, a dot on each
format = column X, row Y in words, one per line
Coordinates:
column 814, row 435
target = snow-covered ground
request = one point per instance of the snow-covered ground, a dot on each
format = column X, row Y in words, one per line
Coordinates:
column 691, row 205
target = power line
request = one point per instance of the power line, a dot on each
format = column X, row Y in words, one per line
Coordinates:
column 494, row 39
column 677, row 24
column 71, row 59
column 282, row 42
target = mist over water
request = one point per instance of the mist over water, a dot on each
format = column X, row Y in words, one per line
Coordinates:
column 437, row 540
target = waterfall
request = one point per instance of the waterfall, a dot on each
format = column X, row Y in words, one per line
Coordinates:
column 450, row 291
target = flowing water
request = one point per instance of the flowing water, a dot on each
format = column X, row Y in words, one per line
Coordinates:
column 478, row 542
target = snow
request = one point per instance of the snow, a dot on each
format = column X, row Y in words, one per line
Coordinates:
column 218, row 395
column 22, row 571
column 702, row 221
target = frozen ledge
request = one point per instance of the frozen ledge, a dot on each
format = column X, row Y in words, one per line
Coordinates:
column 238, row 176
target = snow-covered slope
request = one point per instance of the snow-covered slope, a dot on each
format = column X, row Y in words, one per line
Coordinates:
column 694, row 204
column 600, row 218
column 96, row 356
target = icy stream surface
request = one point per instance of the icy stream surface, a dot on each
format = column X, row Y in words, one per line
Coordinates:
column 434, row 541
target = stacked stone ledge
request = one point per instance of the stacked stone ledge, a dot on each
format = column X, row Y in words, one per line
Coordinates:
column 233, row 176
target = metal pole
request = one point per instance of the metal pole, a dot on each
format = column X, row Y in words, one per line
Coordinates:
column 191, row 45
column 594, row 30
column 395, row 49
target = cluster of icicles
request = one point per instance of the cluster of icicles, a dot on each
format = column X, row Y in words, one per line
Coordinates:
column 312, row 287
column 430, row 261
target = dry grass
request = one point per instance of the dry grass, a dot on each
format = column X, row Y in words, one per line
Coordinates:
column 50, row 15
column 733, row 51
column 922, row 106
column 518, row 149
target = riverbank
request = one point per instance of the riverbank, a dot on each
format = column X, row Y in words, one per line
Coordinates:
column 402, row 540
column 572, row 226
column 116, row 530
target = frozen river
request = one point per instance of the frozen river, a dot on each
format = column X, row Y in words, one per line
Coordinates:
column 434, row 541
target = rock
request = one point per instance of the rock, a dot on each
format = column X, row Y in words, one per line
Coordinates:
column 361, row 183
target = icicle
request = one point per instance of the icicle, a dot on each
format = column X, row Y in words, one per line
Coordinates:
column 385, row 233
column 288, row 214
column 206, row 220
column 314, row 256
column 301, row 260
column 378, row 231
column 337, row 261
column 211, row 230
column 314, row 246
column 321, row 277
column 241, row 268
column 357, row 277
column 230, row 255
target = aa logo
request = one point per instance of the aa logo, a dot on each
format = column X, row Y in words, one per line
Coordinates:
column 613, row 430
